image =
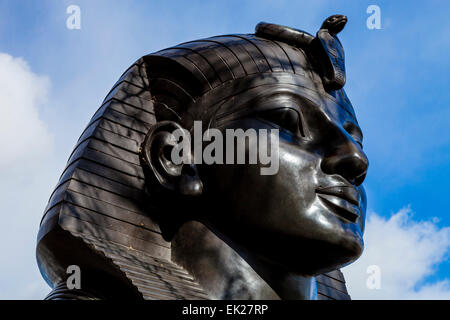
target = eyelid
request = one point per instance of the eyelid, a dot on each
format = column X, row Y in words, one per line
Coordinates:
column 358, row 140
column 300, row 126
column 355, row 132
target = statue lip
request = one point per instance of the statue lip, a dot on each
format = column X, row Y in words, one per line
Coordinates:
column 346, row 192
column 342, row 200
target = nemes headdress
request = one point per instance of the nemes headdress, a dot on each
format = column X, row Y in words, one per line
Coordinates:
column 99, row 216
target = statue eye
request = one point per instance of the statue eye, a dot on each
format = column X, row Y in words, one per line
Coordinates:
column 286, row 118
column 355, row 132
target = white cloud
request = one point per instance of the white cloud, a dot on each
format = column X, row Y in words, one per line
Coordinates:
column 406, row 252
column 23, row 136
column 26, row 175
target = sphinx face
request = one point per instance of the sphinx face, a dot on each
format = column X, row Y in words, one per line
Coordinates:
column 309, row 216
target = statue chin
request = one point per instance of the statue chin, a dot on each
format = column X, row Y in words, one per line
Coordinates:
column 312, row 263
column 287, row 273
column 305, row 257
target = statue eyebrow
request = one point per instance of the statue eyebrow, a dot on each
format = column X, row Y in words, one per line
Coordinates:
column 262, row 104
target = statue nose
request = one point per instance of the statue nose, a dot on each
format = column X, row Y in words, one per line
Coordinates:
column 349, row 162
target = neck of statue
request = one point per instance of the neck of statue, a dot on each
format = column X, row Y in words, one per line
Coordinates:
column 224, row 274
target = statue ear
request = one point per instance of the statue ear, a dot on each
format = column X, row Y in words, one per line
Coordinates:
column 172, row 170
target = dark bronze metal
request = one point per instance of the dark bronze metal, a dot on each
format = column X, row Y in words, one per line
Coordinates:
column 141, row 227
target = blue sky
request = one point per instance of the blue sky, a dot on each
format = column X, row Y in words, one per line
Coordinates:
column 397, row 80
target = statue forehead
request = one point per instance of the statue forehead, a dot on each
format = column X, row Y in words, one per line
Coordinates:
column 270, row 91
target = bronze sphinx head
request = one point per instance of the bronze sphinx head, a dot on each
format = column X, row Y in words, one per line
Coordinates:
column 232, row 231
